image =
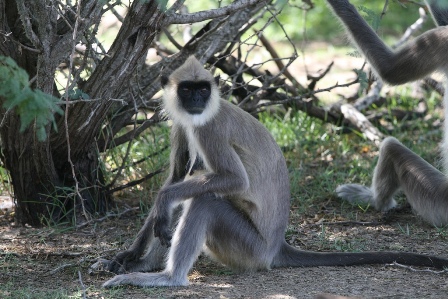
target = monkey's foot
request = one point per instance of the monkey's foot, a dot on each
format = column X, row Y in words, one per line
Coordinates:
column 146, row 280
column 355, row 193
column 359, row 194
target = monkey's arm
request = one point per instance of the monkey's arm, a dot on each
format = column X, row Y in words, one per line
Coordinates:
column 226, row 176
column 415, row 60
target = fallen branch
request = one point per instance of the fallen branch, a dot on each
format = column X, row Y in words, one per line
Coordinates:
column 418, row 270
column 362, row 123
column 372, row 97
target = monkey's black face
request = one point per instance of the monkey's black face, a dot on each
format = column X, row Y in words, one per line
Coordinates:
column 194, row 95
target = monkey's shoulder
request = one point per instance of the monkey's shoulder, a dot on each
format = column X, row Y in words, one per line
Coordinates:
column 235, row 117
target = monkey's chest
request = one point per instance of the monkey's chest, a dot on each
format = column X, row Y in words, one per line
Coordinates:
column 197, row 160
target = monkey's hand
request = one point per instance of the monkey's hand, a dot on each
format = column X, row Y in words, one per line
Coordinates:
column 162, row 218
column 162, row 230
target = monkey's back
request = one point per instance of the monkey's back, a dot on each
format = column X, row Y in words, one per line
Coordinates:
column 269, row 189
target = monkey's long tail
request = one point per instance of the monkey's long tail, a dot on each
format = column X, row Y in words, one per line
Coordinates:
column 292, row 257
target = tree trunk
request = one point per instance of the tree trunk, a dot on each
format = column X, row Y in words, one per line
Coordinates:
column 45, row 190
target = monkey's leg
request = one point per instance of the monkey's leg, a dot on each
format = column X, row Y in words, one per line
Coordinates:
column 384, row 184
column 153, row 259
column 186, row 245
column 425, row 187
column 131, row 260
column 145, row 254
column 205, row 220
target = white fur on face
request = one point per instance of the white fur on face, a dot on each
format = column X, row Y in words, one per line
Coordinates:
column 178, row 114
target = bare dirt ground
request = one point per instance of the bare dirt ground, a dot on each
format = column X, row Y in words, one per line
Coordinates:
column 43, row 260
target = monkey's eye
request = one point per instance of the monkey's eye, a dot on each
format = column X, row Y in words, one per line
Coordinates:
column 185, row 91
column 204, row 92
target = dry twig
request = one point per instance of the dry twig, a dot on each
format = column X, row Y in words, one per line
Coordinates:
column 418, row 270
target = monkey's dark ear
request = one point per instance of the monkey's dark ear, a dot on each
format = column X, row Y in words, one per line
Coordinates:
column 217, row 79
column 164, row 80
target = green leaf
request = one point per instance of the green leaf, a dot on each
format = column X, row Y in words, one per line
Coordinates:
column 362, row 78
column 31, row 105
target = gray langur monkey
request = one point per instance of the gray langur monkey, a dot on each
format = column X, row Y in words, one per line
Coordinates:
column 398, row 168
column 227, row 193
